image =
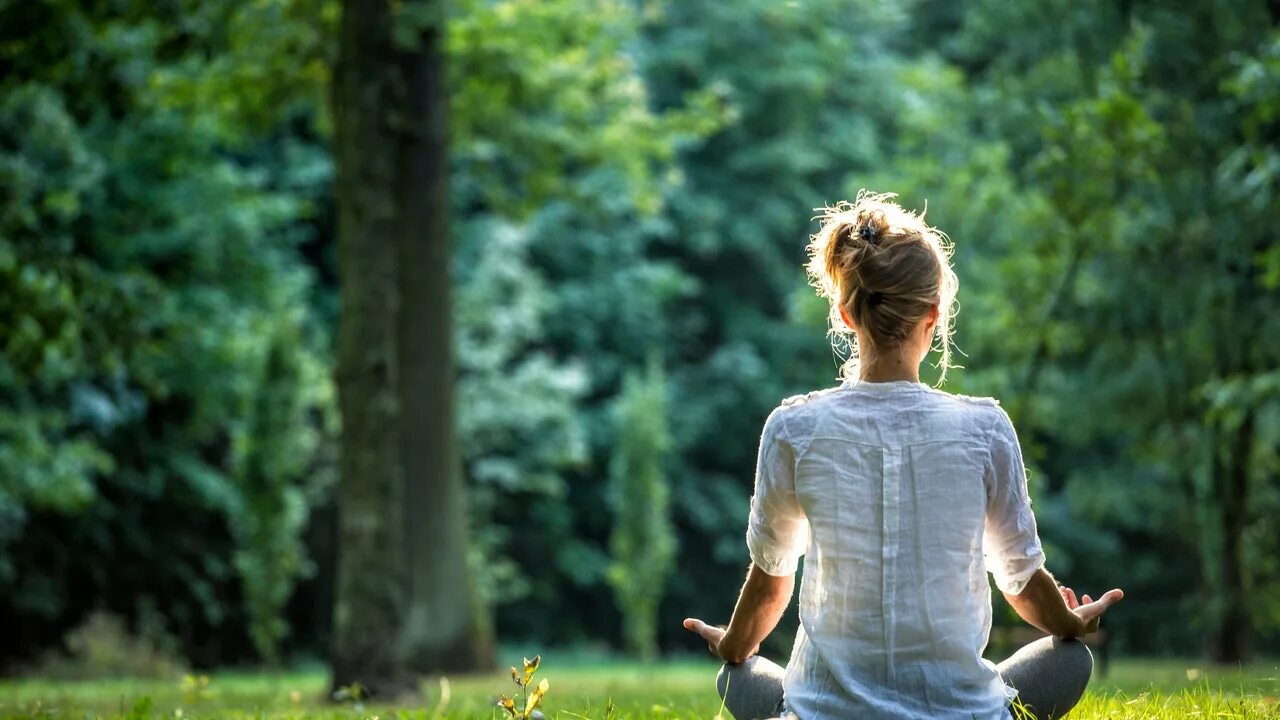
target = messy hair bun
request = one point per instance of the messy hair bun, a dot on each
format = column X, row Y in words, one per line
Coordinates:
column 888, row 269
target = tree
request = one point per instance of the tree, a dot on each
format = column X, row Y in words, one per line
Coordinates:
column 405, row 600
column 561, row 165
column 643, row 543
column 447, row 627
column 272, row 509
column 146, row 270
column 1147, row 201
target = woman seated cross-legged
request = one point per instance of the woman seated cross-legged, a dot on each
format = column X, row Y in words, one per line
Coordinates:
column 902, row 498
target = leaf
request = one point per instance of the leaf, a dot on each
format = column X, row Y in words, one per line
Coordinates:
column 507, row 704
column 515, row 677
column 531, row 667
column 536, row 696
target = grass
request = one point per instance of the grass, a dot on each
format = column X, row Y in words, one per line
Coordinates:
column 584, row 687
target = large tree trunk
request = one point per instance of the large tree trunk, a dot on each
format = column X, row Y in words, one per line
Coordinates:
column 446, row 629
column 1230, row 635
column 370, row 584
column 405, row 603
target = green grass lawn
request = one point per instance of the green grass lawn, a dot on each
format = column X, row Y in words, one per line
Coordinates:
column 584, row 687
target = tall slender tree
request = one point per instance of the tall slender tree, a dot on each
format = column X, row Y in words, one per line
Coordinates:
column 405, row 600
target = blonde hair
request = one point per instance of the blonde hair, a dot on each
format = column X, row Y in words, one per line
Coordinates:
column 887, row 268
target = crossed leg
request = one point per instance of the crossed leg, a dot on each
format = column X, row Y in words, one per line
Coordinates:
column 1050, row 675
column 752, row 690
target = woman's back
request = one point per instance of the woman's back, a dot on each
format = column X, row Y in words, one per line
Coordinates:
column 901, row 496
column 889, row 487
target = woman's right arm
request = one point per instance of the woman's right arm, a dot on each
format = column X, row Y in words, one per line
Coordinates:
column 1012, row 549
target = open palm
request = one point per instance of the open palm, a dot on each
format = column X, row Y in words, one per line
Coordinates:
column 1088, row 609
column 711, row 633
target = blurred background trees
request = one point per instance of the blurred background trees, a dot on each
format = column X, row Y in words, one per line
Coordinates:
column 155, row 297
column 628, row 180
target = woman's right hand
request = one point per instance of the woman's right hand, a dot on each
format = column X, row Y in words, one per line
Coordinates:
column 714, row 635
column 1089, row 610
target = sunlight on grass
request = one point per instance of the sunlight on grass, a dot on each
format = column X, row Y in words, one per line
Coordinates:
column 586, row 688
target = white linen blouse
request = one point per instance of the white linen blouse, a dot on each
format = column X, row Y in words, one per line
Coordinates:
column 901, row 497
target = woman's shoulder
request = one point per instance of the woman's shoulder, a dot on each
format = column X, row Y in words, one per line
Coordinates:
column 793, row 407
column 806, row 398
column 794, row 415
column 979, row 401
column 988, row 415
column 797, row 416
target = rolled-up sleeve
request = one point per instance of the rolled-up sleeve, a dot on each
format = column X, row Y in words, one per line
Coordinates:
column 777, row 530
column 1010, row 543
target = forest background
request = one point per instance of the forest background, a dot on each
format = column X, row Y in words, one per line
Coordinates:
column 632, row 187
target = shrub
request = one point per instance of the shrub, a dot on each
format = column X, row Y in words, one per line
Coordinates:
column 102, row 646
column 643, row 543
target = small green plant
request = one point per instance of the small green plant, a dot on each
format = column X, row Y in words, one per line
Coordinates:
column 141, row 709
column 195, row 688
column 528, row 699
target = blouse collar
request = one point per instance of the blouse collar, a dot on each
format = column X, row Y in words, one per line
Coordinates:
column 883, row 386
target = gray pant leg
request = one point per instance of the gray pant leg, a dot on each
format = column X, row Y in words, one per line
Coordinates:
column 1049, row 674
column 752, row 690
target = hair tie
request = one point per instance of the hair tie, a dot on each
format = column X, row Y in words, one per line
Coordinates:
column 869, row 234
column 874, row 298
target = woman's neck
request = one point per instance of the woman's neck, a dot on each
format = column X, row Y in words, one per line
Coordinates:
column 890, row 370
column 901, row 363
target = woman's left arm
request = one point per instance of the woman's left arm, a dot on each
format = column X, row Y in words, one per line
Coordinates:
column 777, row 535
column 763, row 599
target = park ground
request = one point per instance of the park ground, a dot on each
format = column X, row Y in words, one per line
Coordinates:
column 594, row 688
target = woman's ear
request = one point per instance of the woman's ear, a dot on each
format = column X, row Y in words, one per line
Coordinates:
column 848, row 321
column 931, row 321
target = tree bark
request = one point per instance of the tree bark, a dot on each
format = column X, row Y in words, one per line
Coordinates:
column 446, row 629
column 406, row 603
column 1231, row 634
column 370, row 584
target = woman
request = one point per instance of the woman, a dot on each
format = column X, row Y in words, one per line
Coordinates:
column 903, row 498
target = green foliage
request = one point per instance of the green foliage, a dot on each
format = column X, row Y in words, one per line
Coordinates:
column 566, row 69
column 211, row 133
column 46, row 456
column 1131, row 147
column 559, row 161
column 149, row 277
column 272, row 61
column 815, row 109
column 516, row 400
column 629, row 178
column 643, row 543
column 280, row 473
